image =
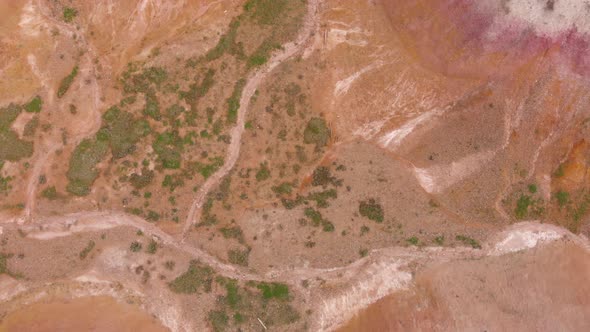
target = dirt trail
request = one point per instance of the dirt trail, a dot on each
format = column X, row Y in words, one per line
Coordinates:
column 289, row 50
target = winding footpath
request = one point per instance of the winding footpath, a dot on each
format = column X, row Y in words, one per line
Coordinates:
column 289, row 50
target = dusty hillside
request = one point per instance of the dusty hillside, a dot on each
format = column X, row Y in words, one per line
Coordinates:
column 284, row 164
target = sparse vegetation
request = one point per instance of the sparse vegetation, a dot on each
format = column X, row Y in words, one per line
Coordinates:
column 559, row 172
column 69, row 14
column 49, row 193
column 562, row 198
column 233, row 102
column 372, row 210
column 439, row 240
column 238, row 257
column 527, row 206
column 318, row 220
column 197, row 278
column 322, row 177
column 363, row 252
column 84, row 253
column 34, row 106
column 413, row 241
column 82, row 171
column 532, row 188
column 316, row 132
column 274, row 290
column 152, row 247
column 522, row 206
column 4, row 266
column 135, row 246
column 263, row 173
column 12, row 148
column 284, row 188
column 66, row 82
column 468, row 241
column 122, row 131
column 233, row 233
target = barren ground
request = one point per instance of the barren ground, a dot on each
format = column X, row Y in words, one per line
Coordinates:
column 294, row 165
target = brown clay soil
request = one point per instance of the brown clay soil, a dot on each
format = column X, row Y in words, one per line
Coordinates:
column 81, row 314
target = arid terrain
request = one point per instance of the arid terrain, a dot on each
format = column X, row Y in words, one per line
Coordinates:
column 294, row 165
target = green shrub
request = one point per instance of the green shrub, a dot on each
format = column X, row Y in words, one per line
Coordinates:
column 562, row 198
column 69, row 14
column 372, row 210
column 316, row 132
column 317, row 219
column 263, row 173
column 66, row 82
column 238, row 257
column 152, row 106
column 172, row 182
column 274, row 290
column 152, row 216
column 31, row 127
column 169, row 147
column 321, row 197
column 468, row 241
column 522, row 206
column 135, row 246
column 321, row 176
column 139, row 181
column 12, row 148
column 233, row 102
column 284, row 188
column 532, row 188
column 49, row 193
column 413, row 241
column 5, row 186
column 314, row 215
column 559, row 172
column 439, row 240
column 227, row 44
column 122, row 131
column 84, row 253
column 155, row 75
column 232, row 233
column 197, row 277
column 152, row 247
column 219, row 320
column 262, row 53
column 266, row 12
column 82, row 169
column 34, row 106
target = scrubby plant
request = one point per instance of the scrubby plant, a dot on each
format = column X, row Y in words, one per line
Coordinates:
column 69, row 14
column 372, row 210
column 468, row 241
column 316, row 132
column 66, row 82
column 198, row 277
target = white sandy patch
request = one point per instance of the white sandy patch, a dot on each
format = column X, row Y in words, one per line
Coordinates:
column 30, row 22
column 9, row 288
column 369, row 130
column 440, row 177
column 381, row 280
column 343, row 85
column 86, row 227
column 526, row 235
column 395, row 137
column 546, row 18
column 425, row 179
column 354, row 37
